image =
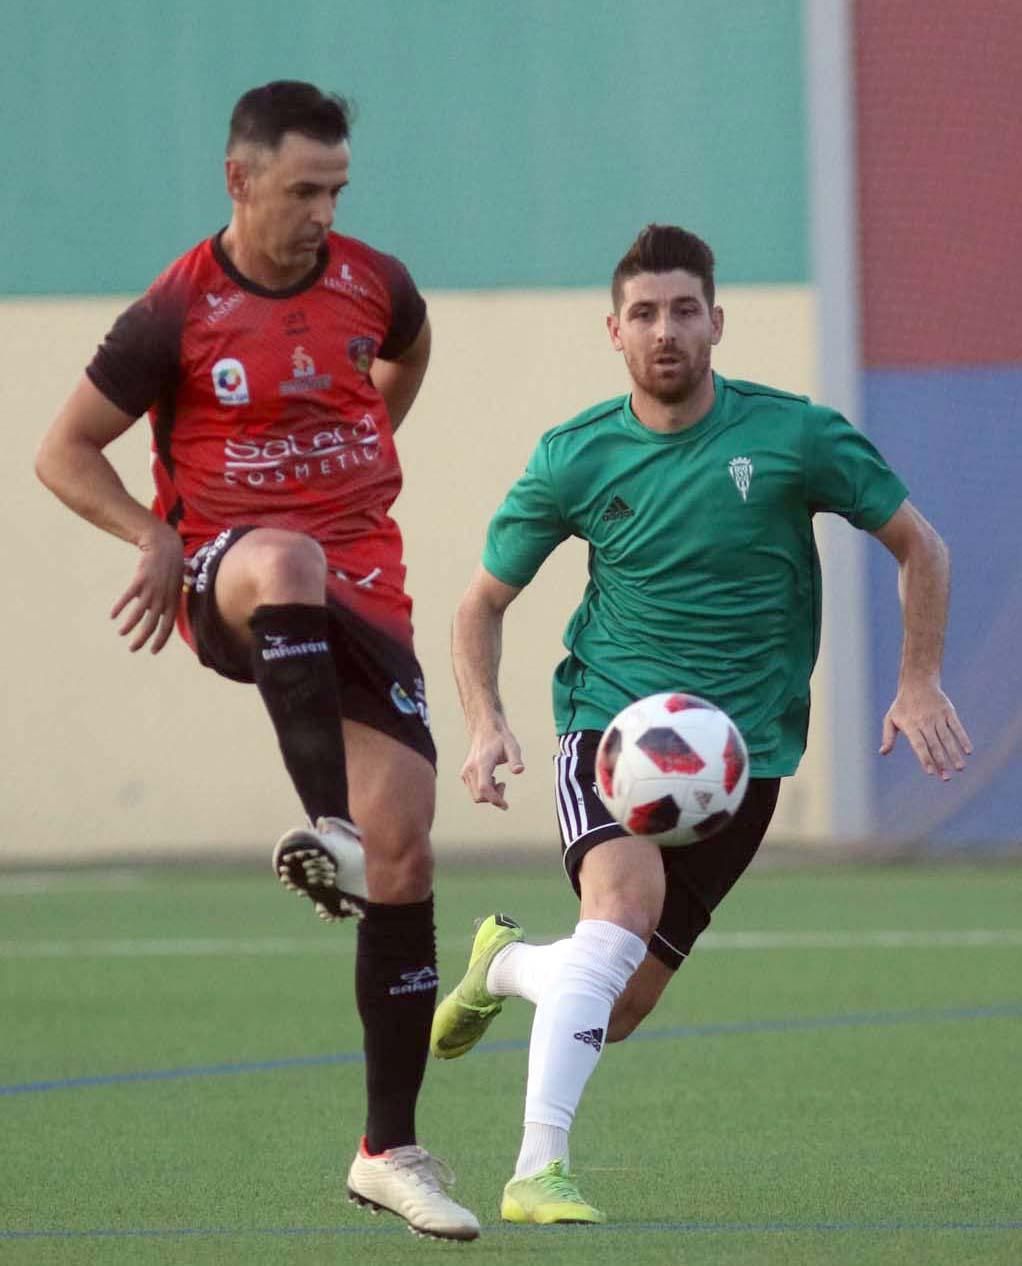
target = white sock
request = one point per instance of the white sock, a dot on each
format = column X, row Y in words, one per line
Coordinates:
column 540, row 1145
column 520, row 970
column 570, row 1027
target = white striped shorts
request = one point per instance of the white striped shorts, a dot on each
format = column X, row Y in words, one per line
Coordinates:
column 698, row 876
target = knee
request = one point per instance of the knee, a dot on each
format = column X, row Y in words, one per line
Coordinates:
column 288, row 567
column 622, row 882
column 399, row 864
column 636, row 915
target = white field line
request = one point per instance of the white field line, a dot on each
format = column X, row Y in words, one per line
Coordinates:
column 28, row 883
column 339, row 943
column 895, row 939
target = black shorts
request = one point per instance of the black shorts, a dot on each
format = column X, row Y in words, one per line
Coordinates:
column 381, row 682
column 698, row 875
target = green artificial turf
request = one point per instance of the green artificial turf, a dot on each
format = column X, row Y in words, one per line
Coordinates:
column 821, row 1105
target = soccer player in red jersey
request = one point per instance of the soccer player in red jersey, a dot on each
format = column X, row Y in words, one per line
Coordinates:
column 275, row 361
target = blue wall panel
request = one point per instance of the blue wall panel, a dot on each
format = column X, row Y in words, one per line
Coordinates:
column 953, row 435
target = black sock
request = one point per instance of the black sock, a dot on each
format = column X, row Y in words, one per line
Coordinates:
column 294, row 670
column 395, row 988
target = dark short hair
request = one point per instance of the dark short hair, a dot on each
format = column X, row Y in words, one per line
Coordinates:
column 661, row 248
column 263, row 115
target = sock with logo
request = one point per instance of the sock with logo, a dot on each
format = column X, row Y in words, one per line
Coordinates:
column 569, row 1032
column 395, row 989
column 294, row 669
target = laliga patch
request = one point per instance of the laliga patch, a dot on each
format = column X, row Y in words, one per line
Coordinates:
column 362, row 352
column 229, row 381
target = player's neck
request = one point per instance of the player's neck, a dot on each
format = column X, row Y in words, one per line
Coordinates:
column 254, row 265
column 677, row 415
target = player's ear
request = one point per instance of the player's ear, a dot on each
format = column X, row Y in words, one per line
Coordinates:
column 614, row 330
column 236, row 176
column 716, row 325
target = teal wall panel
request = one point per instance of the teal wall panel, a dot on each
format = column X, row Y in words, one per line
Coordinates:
column 497, row 144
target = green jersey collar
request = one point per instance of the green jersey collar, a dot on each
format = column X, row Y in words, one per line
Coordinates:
column 690, row 433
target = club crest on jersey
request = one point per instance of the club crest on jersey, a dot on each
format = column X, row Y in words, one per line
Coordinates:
column 361, row 352
column 741, row 469
column 230, row 382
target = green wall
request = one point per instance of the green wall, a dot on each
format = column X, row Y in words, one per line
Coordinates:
column 497, row 144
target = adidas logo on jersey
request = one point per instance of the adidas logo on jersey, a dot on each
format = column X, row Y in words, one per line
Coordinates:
column 618, row 509
column 591, row 1037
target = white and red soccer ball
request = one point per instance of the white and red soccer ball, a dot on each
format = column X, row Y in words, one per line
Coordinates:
column 672, row 767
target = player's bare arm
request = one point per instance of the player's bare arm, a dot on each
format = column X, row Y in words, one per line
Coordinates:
column 71, row 463
column 398, row 381
column 921, row 711
column 476, row 644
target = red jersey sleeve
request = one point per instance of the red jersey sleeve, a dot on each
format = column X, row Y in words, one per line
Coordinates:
column 407, row 308
column 137, row 362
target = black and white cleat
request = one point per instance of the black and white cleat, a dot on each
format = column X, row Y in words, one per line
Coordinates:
column 326, row 864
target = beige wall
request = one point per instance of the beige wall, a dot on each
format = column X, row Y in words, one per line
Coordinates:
column 109, row 753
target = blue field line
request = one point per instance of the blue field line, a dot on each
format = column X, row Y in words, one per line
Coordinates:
column 894, row 1225
column 791, row 1024
column 178, row 1074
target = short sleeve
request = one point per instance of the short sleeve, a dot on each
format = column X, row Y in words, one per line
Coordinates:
column 137, row 362
column 527, row 527
column 845, row 473
column 407, row 309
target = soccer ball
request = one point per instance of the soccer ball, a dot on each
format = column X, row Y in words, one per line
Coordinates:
column 672, row 767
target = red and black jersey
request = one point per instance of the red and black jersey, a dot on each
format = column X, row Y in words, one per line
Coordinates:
column 263, row 411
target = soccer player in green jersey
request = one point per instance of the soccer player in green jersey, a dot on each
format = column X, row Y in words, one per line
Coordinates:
column 697, row 496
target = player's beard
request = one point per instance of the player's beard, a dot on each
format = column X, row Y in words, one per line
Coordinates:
column 690, row 374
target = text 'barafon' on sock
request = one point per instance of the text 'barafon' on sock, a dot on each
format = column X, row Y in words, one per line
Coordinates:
column 395, row 988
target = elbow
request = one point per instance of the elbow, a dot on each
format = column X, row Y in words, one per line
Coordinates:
column 937, row 549
column 475, row 617
column 43, row 465
column 467, row 612
column 54, row 462
column 920, row 542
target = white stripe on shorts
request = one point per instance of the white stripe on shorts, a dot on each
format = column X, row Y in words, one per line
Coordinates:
column 571, row 808
column 660, row 937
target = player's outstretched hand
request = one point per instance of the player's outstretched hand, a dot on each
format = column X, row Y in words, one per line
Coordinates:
column 493, row 747
column 151, row 600
column 927, row 718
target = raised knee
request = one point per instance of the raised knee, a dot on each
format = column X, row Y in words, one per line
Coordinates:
column 296, row 562
column 288, row 567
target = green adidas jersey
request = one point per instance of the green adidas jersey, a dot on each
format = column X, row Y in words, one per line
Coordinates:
column 703, row 570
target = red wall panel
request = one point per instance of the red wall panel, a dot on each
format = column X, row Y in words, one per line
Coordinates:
column 939, row 135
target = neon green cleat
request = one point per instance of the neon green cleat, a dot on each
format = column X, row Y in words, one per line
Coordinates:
column 465, row 1014
column 549, row 1196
